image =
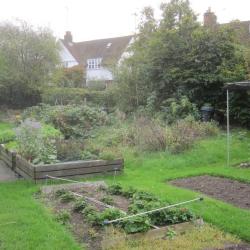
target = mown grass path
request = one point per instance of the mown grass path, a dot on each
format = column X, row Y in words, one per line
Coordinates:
column 26, row 224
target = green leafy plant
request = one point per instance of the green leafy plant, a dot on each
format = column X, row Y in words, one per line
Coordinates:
column 69, row 150
column 79, row 205
column 170, row 234
column 108, row 199
column 176, row 109
column 137, row 224
column 33, row 144
column 60, row 192
column 63, row 217
column 115, row 189
column 129, row 192
column 67, row 197
column 183, row 134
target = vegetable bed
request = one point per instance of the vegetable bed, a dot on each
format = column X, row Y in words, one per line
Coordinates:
column 86, row 217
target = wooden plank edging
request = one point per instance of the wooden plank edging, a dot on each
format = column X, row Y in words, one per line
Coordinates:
column 64, row 169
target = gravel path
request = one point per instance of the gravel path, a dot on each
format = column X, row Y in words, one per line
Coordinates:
column 6, row 174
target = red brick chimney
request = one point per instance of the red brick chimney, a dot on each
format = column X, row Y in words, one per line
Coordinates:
column 210, row 19
column 68, row 37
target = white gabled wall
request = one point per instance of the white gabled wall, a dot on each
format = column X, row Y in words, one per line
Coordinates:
column 126, row 54
column 67, row 59
column 99, row 75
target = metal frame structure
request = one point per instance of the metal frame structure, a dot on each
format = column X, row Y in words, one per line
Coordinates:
column 232, row 87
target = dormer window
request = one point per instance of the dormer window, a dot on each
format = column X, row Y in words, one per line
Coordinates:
column 94, row 63
column 109, row 45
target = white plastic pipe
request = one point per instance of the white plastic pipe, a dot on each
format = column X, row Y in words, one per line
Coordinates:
column 152, row 211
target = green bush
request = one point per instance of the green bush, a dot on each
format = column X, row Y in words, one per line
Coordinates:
column 7, row 133
column 182, row 135
column 64, row 96
column 175, row 109
column 33, row 144
column 97, row 85
column 69, row 150
column 148, row 135
column 71, row 120
column 7, row 136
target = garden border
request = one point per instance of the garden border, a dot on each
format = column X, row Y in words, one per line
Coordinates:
column 63, row 169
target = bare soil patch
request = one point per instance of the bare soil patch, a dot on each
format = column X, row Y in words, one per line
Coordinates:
column 96, row 238
column 231, row 191
column 85, row 233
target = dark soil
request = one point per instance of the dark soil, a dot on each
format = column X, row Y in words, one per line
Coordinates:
column 232, row 247
column 89, row 236
column 231, row 191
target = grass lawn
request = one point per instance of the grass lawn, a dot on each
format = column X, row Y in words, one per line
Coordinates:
column 35, row 227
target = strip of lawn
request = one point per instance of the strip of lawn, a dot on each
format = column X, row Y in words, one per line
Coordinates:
column 34, row 226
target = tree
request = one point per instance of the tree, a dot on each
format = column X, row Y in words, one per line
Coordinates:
column 178, row 56
column 28, row 58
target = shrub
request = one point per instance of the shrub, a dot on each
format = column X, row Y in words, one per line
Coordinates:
column 64, row 96
column 107, row 155
column 97, row 85
column 7, row 136
column 175, row 109
column 87, row 155
column 69, row 150
column 35, row 145
column 71, row 120
column 30, row 139
column 184, row 133
column 148, row 135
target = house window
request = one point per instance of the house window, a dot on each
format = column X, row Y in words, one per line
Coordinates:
column 94, row 63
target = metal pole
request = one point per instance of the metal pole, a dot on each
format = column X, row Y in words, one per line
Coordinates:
column 228, row 131
column 152, row 211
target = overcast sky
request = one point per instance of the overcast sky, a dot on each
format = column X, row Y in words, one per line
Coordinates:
column 93, row 19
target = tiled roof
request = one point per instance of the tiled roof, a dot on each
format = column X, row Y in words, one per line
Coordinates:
column 110, row 49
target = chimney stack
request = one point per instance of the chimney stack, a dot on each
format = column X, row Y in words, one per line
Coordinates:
column 210, row 19
column 68, row 37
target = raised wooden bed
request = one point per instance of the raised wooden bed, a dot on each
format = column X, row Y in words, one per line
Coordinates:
column 65, row 169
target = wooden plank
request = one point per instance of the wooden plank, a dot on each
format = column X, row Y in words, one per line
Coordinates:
column 6, row 159
column 77, row 164
column 78, row 171
column 153, row 234
column 6, row 154
column 23, row 174
column 24, row 162
column 24, row 166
